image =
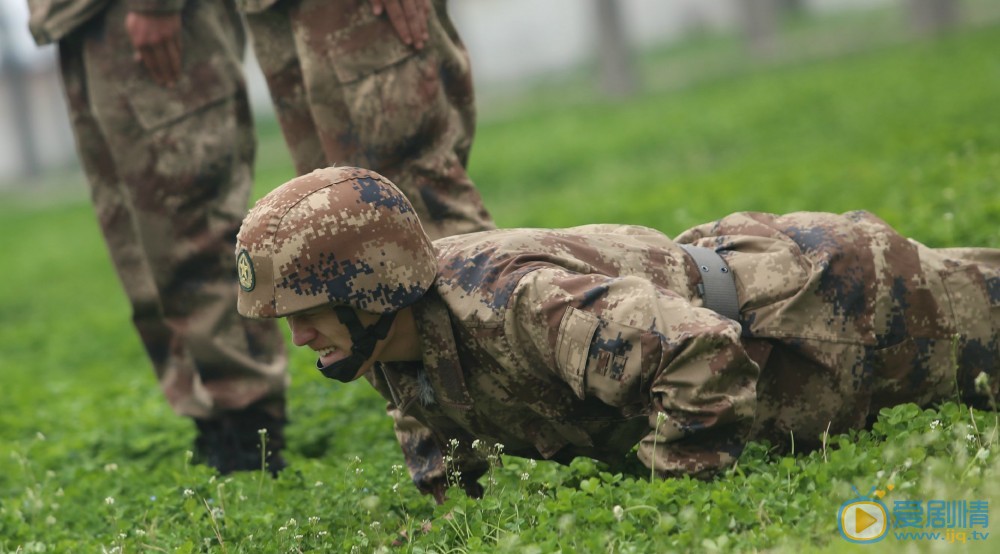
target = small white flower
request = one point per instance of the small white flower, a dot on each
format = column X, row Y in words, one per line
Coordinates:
column 359, row 470
column 50, row 520
column 262, row 432
column 321, row 534
column 374, row 525
column 140, row 532
column 299, row 537
column 475, row 444
column 110, row 468
column 970, row 437
column 619, row 512
column 525, row 476
column 282, row 529
column 660, row 417
column 935, row 424
column 292, row 522
column 313, row 520
column 395, row 487
column 188, row 493
column 318, row 484
column 109, row 500
column 39, row 436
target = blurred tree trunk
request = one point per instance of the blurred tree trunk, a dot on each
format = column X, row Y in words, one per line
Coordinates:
column 617, row 70
column 930, row 17
column 759, row 20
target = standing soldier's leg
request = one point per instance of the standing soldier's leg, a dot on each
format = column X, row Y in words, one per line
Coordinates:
column 170, row 171
column 274, row 48
column 111, row 203
column 378, row 103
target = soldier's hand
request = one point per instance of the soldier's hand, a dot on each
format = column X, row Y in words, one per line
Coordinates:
column 472, row 488
column 156, row 39
column 408, row 18
column 437, row 489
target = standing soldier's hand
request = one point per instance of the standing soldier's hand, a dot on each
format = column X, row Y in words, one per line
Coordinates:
column 408, row 18
column 156, row 38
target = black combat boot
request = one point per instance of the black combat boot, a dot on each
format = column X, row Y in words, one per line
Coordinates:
column 232, row 442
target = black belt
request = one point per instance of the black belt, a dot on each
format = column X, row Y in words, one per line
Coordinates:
column 718, row 286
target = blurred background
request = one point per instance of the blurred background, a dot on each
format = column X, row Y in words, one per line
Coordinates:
column 594, row 48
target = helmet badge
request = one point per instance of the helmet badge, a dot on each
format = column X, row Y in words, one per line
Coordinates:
column 244, row 266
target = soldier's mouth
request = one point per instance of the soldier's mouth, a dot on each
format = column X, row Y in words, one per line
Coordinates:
column 329, row 355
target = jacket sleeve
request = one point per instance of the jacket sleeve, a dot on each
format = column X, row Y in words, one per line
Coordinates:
column 425, row 454
column 643, row 349
column 422, row 452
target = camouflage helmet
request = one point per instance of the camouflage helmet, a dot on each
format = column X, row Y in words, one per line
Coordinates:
column 339, row 235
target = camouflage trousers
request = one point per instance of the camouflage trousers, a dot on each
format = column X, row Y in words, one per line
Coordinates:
column 348, row 91
column 845, row 316
column 169, row 171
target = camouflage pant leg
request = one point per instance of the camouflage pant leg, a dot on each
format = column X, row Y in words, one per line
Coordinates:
column 170, row 176
column 274, row 48
column 376, row 103
column 971, row 279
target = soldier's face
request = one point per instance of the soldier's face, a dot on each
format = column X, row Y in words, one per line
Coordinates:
column 321, row 330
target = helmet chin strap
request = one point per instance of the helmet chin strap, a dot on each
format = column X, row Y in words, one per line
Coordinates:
column 363, row 340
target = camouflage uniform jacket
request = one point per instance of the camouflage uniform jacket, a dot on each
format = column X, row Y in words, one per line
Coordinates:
column 51, row 20
column 568, row 343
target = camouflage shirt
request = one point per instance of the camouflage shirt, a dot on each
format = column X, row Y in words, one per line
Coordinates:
column 564, row 343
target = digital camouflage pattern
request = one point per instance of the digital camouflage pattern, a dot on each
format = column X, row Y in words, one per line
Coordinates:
column 341, row 236
column 855, row 318
column 51, row 20
column 169, row 171
column 348, row 91
column 564, row 343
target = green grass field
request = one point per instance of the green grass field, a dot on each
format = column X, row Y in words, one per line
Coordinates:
column 93, row 460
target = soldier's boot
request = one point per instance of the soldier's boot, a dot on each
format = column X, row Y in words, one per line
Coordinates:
column 233, row 442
